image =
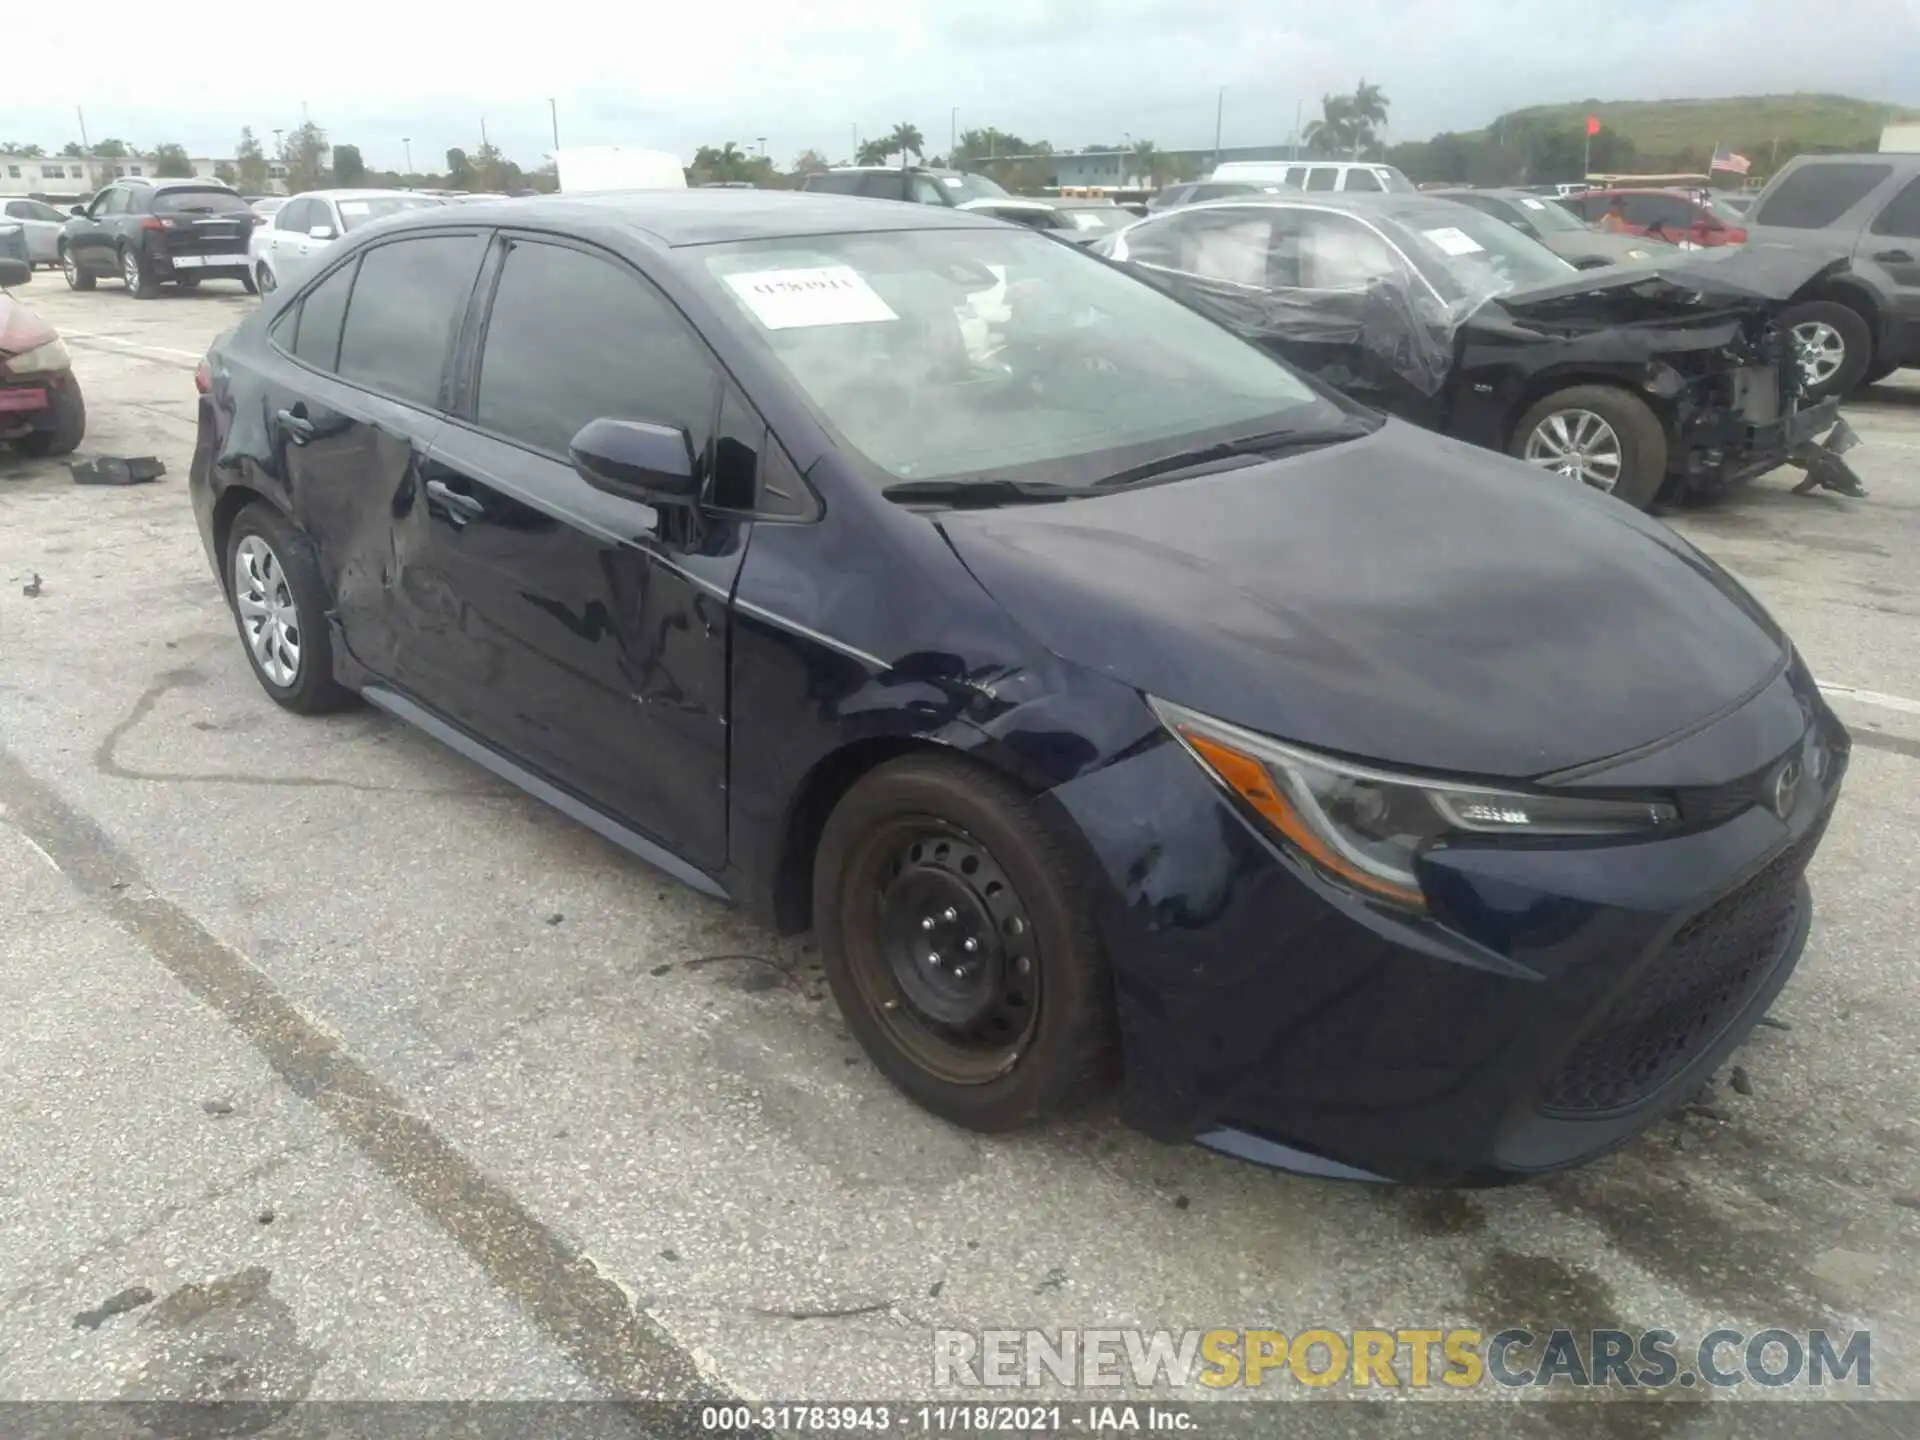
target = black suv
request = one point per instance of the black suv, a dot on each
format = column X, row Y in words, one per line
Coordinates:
column 1862, row 324
column 155, row 232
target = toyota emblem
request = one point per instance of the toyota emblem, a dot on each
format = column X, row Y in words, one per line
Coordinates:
column 1786, row 787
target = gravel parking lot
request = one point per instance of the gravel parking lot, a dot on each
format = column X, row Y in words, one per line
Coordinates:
column 387, row 1082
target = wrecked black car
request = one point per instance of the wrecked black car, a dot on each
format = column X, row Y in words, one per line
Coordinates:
column 1663, row 380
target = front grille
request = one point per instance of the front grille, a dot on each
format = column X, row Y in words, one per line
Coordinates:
column 1684, row 997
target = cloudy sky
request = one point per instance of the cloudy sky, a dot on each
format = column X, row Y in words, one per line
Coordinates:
column 810, row 74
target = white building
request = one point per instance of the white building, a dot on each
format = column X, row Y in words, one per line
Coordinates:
column 1901, row 139
column 66, row 179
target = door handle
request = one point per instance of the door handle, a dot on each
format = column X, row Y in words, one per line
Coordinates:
column 465, row 506
column 298, row 427
column 1894, row 257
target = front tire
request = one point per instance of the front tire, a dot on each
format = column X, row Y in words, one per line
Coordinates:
column 1835, row 346
column 69, row 425
column 77, row 278
column 134, row 272
column 263, row 281
column 248, row 284
column 958, row 940
column 279, row 605
column 1604, row 436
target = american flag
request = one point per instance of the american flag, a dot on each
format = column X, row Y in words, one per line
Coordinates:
column 1725, row 159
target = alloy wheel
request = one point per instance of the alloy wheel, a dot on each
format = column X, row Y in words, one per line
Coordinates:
column 269, row 619
column 1579, row 444
column 1822, row 351
column 953, row 972
column 130, row 269
column 265, row 281
column 69, row 268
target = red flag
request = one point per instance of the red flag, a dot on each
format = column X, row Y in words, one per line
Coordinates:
column 1593, row 124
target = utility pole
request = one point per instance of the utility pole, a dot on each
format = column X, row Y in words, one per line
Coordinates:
column 953, row 132
column 406, row 142
column 1219, row 109
column 761, row 141
column 854, row 158
column 553, row 110
column 483, row 132
column 1299, row 109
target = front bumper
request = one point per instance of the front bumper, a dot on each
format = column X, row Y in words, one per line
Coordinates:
column 1560, row 999
column 1732, row 450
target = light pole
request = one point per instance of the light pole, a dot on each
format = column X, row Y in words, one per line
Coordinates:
column 1219, row 111
column 553, row 110
column 953, row 132
column 406, row 142
column 761, row 141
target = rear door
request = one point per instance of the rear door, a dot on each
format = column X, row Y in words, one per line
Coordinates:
column 278, row 239
column 365, row 358
column 599, row 624
column 1891, row 245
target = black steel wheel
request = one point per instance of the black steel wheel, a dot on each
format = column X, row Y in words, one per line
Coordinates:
column 956, row 939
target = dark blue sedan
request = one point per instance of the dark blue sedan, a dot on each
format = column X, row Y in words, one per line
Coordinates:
column 1117, row 706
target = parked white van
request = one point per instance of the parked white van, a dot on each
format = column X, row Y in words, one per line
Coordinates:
column 1315, row 174
column 586, row 168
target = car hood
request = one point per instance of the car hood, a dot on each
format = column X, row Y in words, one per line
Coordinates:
column 1599, row 245
column 1402, row 598
column 1751, row 278
column 20, row 328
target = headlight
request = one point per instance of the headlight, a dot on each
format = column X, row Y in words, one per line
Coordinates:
column 50, row 356
column 1363, row 828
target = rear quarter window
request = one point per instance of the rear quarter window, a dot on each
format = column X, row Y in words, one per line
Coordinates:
column 1817, row 195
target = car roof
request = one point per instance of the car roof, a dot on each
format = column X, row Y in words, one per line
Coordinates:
column 1391, row 203
column 172, row 182
column 365, row 193
column 891, row 170
column 704, row 217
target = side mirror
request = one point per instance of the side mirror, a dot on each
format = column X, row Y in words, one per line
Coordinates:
column 320, row 232
column 14, row 272
column 79, row 210
column 636, row 461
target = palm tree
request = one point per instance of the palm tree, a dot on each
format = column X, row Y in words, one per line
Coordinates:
column 872, row 152
column 1348, row 121
column 906, row 140
column 1147, row 161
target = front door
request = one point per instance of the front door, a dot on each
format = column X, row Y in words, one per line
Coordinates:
column 91, row 242
column 593, row 629
column 1891, row 245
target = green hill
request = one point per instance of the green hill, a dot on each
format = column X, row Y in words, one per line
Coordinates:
column 1748, row 122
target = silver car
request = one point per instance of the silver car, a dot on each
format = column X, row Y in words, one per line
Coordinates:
column 42, row 223
column 295, row 234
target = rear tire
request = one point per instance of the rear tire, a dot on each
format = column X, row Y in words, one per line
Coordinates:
column 272, row 576
column 77, row 279
column 1639, row 439
column 930, row 866
column 135, row 274
column 1820, row 328
column 69, row 425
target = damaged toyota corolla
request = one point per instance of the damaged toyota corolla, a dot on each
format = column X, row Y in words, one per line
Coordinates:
column 1670, row 379
column 1112, row 702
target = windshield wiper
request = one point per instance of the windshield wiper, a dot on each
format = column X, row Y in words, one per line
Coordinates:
column 961, row 493
column 1271, row 445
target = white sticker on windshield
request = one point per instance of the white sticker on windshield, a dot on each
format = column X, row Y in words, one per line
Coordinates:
column 355, row 207
column 952, row 182
column 1455, row 242
column 793, row 299
column 1534, row 204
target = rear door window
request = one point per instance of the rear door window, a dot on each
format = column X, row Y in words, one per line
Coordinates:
column 1323, row 177
column 835, row 184
column 572, row 337
column 1297, row 177
column 293, row 216
column 409, row 295
column 1817, row 195
column 883, row 186
column 1902, row 216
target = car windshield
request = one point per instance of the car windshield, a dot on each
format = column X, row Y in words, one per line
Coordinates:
column 991, row 354
column 199, row 202
column 1727, row 212
column 1101, row 217
column 961, row 188
column 1470, row 255
column 365, row 209
column 33, row 210
column 1545, row 214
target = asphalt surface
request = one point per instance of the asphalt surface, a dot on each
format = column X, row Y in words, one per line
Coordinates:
column 331, row 1068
